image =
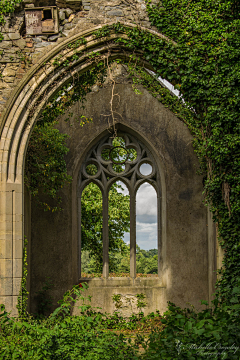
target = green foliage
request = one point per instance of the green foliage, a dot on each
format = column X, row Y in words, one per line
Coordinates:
column 61, row 336
column 146, row 262
column 140, row 301
column 23, row 293
column 45, row 167
column 119, row 222
column 75, row 90
column 117, row 300
column 211, row 333
column 7, row 7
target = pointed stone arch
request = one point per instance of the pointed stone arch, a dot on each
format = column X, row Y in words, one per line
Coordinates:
column 146, row 152
column 39, row 85
column 22, row 111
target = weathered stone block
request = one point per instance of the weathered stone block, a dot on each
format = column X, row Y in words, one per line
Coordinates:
column 7, row 301
column 14, row 36
column 115, row 13
column 8, row 79
column 8, row 72
column 53, row 38
column 71, row 17
column 61, row 14
column 68, row 26
column 17, row 268
column 3, row 85
column 5, row 45
column 5, row 249
column 68, row 12
column 65, row 33
column 21, row 43
column 6, row 267
column 10, row 51
column 6, row 286
column 41, row 44
column 16, row 286
column 17, row 249
column 37, row 39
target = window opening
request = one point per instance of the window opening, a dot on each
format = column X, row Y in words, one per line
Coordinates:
column 146, row 231
column 119, row 167
column 145, row 169
column 47, row 14
column 91, row 231
column 119, row 230
column 91, row 169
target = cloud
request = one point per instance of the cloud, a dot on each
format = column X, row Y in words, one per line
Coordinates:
column 146, row 200
column 146, row 221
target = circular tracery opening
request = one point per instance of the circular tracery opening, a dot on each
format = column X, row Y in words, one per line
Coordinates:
column 91, row 169
column 118, row 155
column 145, row 169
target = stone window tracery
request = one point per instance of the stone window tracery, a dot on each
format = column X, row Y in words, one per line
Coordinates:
column 126, row 159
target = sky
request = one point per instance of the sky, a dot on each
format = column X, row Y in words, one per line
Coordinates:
column 146, row 221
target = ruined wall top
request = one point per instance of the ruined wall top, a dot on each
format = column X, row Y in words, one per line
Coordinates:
column 23, row 46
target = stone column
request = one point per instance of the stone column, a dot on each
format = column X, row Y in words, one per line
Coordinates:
column 11, row 244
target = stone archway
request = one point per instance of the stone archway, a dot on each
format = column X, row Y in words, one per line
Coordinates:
column 24, row 107
column 22, row 111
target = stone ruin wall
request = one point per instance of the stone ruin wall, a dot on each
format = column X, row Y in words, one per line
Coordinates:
column 18, row 51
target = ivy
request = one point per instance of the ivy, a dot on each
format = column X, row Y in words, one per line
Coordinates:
column 45, row 166
column 45, row 169
column 7, row 7
column 23, row 293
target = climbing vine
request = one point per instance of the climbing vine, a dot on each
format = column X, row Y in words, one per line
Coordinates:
column 45, row 166
column 23, row 293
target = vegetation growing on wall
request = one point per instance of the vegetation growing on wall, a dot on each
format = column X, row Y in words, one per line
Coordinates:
column 45, row 166
column 7, row 7
column 200, row 57
column 202, row 61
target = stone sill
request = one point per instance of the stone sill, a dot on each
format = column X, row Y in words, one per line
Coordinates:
column 122, row 282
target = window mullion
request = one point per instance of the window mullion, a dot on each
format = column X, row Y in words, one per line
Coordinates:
column 105, row 236
column 132, row 234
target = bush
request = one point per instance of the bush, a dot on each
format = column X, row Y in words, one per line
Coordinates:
column 62, row 336
column 211, row 333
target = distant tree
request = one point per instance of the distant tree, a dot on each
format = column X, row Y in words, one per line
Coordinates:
column 91, row 222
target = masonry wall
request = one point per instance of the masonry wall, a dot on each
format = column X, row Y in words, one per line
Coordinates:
column 186, row 267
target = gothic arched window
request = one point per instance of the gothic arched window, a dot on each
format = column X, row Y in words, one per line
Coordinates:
column 126, row 159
